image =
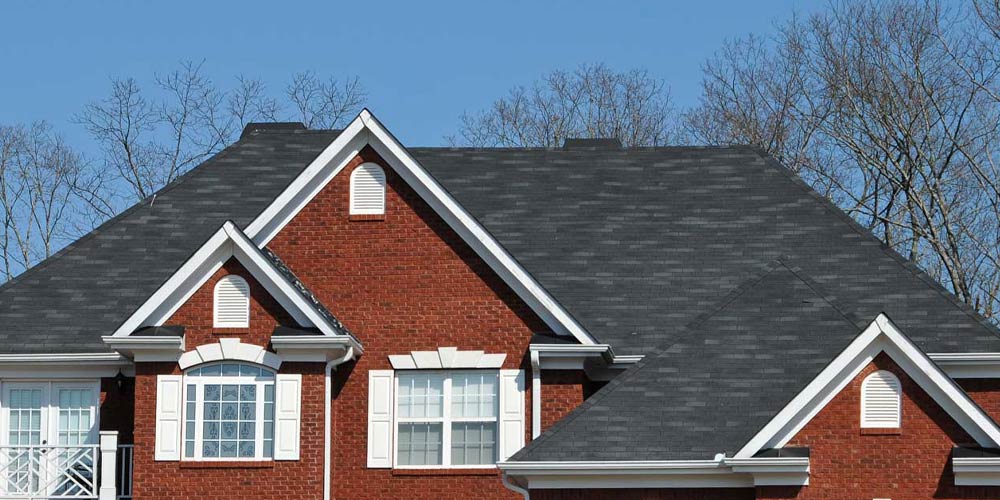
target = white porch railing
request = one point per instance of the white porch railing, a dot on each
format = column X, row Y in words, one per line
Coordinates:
column 45, row 472
column 41, row 472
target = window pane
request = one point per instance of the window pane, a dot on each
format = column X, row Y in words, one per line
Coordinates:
column 419, row 444
column 421, row 395
column 473, row 443
column 228, row 424
column 474, row 395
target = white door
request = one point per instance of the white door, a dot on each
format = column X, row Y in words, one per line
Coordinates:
column 50, row 430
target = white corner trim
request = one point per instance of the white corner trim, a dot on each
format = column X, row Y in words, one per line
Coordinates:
column 227, row 242
column 976, row 471
column 366, row 130
column 229, row 349
column 446, row 358
column 880, row 336
column 313, row 348
column 719, row 473
column 140, row 348
column 968, row 364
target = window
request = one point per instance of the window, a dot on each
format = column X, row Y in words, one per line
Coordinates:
column 368, row 190
column 232, row 303
column 881, row 401
column 229, row 412
column 446, row 419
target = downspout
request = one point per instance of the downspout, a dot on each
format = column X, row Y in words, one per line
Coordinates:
column 507, row 483
column 536, row 395
column 327, row 402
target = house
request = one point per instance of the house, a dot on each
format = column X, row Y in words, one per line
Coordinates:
column 328, row 314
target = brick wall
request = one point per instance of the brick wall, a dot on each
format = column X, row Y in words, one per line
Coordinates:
column 118, row 408
column 562, row 391
column 985, row 392
column 286, row 480
column 401, row 283
column 911, row 464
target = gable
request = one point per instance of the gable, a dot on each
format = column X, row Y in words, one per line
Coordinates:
column 851, row 459
column 196, row 313
column 367, row 132
column 405, row 277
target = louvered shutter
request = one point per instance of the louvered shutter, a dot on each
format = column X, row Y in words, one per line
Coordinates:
column 287, row 415
column 512, row 387
column 368, row 190
column 232, row 303
column 880, row 400
column 168, row 417
column 380, row 419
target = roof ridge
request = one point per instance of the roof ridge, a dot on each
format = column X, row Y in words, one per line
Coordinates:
column 907, row 264
column 104, row 226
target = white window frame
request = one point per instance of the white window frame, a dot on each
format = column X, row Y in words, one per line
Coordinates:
column 199, row 409
column 865, row 424
column 445, row 419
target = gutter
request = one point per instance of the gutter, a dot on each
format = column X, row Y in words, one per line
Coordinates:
column 719, row 472
column 66, row 359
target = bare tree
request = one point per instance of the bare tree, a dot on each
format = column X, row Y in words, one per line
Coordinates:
column 591, row 102
column 45, row 187
column 324, row 104
column 150, row 138
column 869, row 103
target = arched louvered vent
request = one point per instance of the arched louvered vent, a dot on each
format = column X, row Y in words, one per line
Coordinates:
column 881, row 400
column 232, row 302
column 368, row 190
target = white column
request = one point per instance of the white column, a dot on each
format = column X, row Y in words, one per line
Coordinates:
column 109, row 455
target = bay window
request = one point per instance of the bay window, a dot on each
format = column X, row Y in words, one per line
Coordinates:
column 446, row 419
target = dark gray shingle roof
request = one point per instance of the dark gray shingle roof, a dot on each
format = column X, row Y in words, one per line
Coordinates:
column 634, row 243
column 716, row 385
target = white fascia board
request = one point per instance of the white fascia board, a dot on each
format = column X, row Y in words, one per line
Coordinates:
column 976, row 471
column 314, row 348
column 366, row 130
column 968, row 364
column 140, row 348
column 880, row 336
column 661, row 474
column 228, row 242
column 570, row 357
column 99, row 358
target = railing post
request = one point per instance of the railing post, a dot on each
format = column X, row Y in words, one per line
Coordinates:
column 109, row 453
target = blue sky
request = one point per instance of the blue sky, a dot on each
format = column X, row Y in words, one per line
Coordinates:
column 423, row 63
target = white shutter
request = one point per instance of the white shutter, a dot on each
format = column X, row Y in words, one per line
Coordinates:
column 287, row 415
column 368, row 190
column 880, row 400
column 511, row 412
column 380, row 419
column 232, row 302
column 168, row 417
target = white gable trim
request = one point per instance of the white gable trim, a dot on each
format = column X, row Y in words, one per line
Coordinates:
column 880, row 336
column 228, row 242
column 446, row 358
column 367, row 130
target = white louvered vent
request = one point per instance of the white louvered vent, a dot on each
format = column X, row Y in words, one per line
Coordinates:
column 881, row 400
column 368, row 190
column 232, row 303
